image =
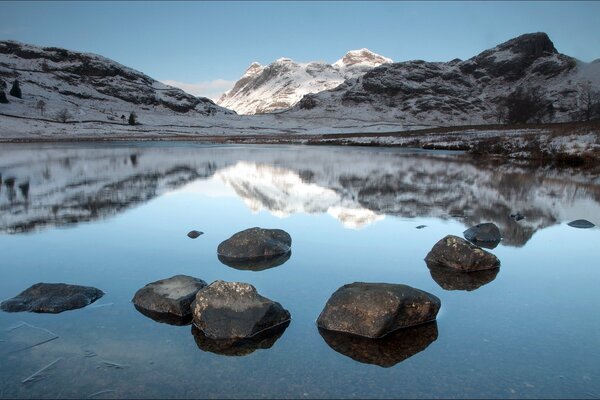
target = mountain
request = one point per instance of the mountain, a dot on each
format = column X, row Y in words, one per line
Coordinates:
column 282, row 84
column 460, row 92
column 89, row 87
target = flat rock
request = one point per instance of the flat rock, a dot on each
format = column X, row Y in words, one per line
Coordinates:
column 194, row 234
column 235, row 310
column 167, row 298
column 451, row 279
column 255, row 243
column 256, row 264
column 484, row 235
column 581, row 223
column 375, row 309
column 52, row 298
column 386, row 351
column 239, row 347
column 455, row 252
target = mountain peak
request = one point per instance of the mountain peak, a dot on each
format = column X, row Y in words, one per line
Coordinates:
column 253, row 69
column 532, row 45
column 361, row 56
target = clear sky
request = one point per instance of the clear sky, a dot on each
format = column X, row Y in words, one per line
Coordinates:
column 208, row 45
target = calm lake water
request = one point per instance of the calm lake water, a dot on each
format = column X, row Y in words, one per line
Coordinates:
column 116, row 217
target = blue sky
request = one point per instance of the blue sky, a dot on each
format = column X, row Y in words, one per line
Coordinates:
column 208, row 45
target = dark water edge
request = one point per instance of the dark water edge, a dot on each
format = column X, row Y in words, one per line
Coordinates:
column 115, row 216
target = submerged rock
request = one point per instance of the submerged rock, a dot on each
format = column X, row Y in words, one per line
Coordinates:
column 235, row 310
column 239, row 347
column 484, row 235
column 386, row 351
column 168, row 299
column 194, row 234
column 52, row 298
column 256, row 264
column 255, row 243
column 451, row 279
column 375, row 309
column 457, row 253
column 581, row 223
column 421, row 226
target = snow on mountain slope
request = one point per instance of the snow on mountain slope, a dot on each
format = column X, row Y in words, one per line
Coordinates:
column 282, row 84
column 89, row 87
column 458, row 92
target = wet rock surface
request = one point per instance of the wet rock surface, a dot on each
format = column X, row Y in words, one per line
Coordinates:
column 386, row 351
column 239, row 347
column 235, row 310
column 194, row 234
column 581, row 223
column 255, row 243
column 455, row 252
column 450, row 279
column 52, row 298
column 168, row 299
column 484, row 235
column 374, row 310
column 259, row 264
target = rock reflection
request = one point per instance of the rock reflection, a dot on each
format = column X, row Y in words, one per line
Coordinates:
column 165, row 318
column 255, row 264
column 386, row 351
column 450, row 279
column 239, row 347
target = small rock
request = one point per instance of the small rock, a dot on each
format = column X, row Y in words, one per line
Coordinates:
column 375, row 309
column 235, row 310
column 421, row 226
column 484, row 235
column 52, row 298
column 256, row 264
column 451, row 279
column 255, row 243
column 194, row 234
column 517, row 216
column 168, row 300
column 386, row 351
column 239, row 347
column 457, row 253
column 581, row 223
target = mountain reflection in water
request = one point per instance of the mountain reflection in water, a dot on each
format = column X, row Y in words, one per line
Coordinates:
column 46, row 186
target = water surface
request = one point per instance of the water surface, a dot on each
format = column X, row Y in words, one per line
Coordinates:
column 116, row 217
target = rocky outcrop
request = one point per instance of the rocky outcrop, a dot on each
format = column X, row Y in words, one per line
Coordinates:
column 169, row 299
column 484, row 235
column 235, row 310
column 52, row 298
column 386, row 351
column 374, row 310
column 457, row 253
column 255, row 244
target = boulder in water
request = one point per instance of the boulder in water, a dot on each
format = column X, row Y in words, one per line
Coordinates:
column 457, row 253
column 52, row 298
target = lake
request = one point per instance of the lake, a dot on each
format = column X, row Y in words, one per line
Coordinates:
column 115, row 216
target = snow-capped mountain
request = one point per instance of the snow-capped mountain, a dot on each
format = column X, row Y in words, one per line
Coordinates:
column 88, row 87
column 282, row 84
column 460, row 92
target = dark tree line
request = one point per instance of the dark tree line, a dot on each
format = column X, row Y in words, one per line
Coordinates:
column 525, row 105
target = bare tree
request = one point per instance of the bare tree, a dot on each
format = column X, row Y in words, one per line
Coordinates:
column 41, row 105
column 524, row 106
column 588, row 102
column 63, row 115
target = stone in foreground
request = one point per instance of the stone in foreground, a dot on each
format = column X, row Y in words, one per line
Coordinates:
column 171, row 297
column 375, row 309
column 239, row 347
column 52, row 298
column 386, row 351
column 194, row 234
column 485, row 235
column 256, row 264
column 235, row 310
column 457, row 253
column 451, row 279
column 581, row 223
column 255, row 243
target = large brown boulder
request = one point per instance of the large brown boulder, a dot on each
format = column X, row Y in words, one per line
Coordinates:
column 375, row 309
column 255, row 244
column 457, row 253
column 235, row 310
column 52, row 298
